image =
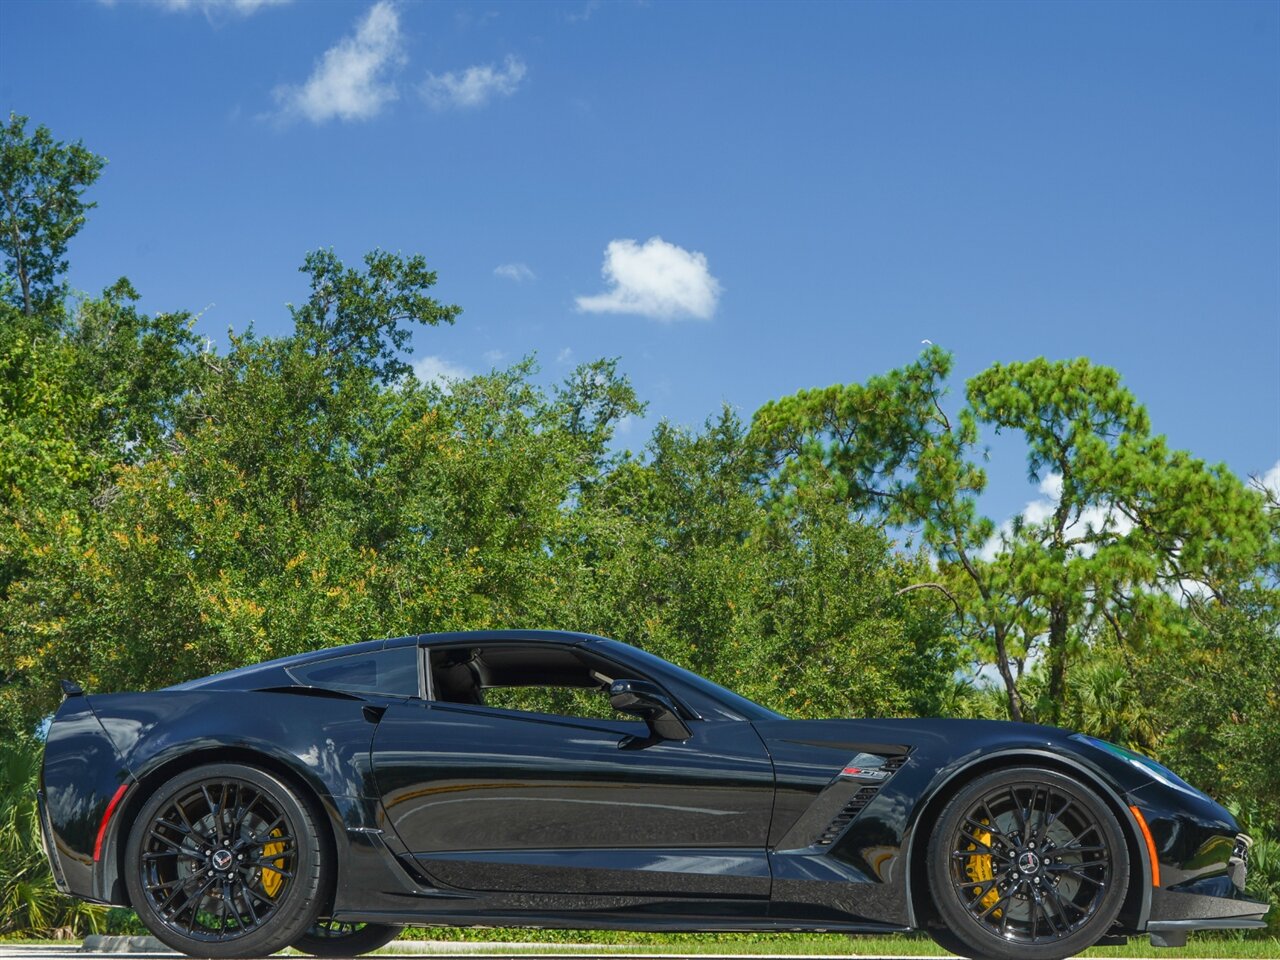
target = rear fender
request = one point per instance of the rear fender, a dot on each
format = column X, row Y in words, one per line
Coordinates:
column 320, row 745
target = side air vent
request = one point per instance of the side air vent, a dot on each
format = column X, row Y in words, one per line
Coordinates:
column 878, row 771
column 846, row 815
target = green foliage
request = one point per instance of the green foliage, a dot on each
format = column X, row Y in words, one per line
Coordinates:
column 168, row 510
column 358, row 319
column 796, row 610
column 41, row 184
column 29, row 901
column 1135, row 532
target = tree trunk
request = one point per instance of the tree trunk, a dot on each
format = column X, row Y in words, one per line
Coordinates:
column 1010, row 683
column 1057, row 658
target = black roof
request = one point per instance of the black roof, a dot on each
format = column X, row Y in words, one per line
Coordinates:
column 232, row 677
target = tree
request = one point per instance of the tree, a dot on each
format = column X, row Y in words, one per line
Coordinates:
column 360, row 318
column 1133, row 530
column 682, row 556
column 41, row 208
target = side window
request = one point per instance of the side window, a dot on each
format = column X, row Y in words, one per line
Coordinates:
column 539, row 678
column 559, row 701
column 390, row 672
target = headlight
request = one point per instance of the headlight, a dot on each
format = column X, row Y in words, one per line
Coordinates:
column 1148, row 766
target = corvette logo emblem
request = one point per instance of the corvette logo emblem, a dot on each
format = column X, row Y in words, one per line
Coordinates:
column 864, row 773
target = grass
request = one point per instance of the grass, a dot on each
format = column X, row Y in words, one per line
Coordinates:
column 800, row 945
column 1211, row 948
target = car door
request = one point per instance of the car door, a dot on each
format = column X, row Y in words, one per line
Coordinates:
column 493, row 799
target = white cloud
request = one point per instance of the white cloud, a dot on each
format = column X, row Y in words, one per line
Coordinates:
column 518, row 272
column 655, row 279
column 1038, row 512
column 565, row 355
column 210, row 8
column 438, row 370
column 350, row 81
column 584, row 13
column 474, row 86
column 242, row 7
column 1271, row 480
column 495, row 356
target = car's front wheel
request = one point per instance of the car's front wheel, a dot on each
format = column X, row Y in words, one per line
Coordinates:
column 225, row 861
column 1026, row 864
column 333, row 938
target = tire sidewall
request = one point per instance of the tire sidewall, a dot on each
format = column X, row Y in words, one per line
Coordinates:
column 301, row 901
column 957, row 918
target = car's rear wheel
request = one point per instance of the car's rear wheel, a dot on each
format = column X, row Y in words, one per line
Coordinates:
column 1026, row 864
column 225, row 860
column 333, row 938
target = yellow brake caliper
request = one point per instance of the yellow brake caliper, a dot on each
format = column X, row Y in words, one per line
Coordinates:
column 978, row 869
column 273, row 881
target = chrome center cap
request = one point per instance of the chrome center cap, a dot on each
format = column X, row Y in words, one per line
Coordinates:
column 1028, row 862
column 222, row 859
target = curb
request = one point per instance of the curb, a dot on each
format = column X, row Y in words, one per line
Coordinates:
column 100, row 943
column 97, row 943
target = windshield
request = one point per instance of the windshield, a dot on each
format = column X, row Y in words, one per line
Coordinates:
column 735, row 706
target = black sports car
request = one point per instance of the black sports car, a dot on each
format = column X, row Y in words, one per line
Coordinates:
column 564, row 780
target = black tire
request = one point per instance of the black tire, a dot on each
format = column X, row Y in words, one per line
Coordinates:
column 331, row 938
column 225, row 861
column 949, row 942
column 1026, row 864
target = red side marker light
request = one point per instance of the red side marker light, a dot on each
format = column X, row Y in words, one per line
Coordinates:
column 1151, row 845
column 106, row 818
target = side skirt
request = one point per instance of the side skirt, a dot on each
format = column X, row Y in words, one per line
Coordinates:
column 617, row 921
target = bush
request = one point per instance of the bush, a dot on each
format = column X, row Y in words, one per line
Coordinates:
column 30, row 904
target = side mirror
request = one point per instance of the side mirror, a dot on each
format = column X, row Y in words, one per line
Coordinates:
column 648, row 702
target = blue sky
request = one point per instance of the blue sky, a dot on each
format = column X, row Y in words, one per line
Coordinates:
column 831, row 183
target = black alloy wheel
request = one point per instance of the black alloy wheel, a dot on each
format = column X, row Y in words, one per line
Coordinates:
column 1026, row 864
column 224, row 861
column 333, row 938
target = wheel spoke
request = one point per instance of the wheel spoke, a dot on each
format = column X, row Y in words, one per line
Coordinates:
column 1061, row 905
column 213, row 812
column 1017, row 813
column 1081, row 865
column 990, row 852
column 990, row 885
column 228, row 897
column 1043, row 903
column 230, row 815
column 196, row 901
column 992, row 826
column 243, row 809
column 1030, row 813
column 1075, row 841
column 181, row 888
column 1042, row 832
column 245, row 890
column 173, row 843
column 995, row 906
column 261, row 897
column 1068, row 851
column 1072, row 872
column 1038, row 818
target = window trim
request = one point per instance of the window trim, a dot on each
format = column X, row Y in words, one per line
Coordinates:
column 354, row 691
column 628, row 672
